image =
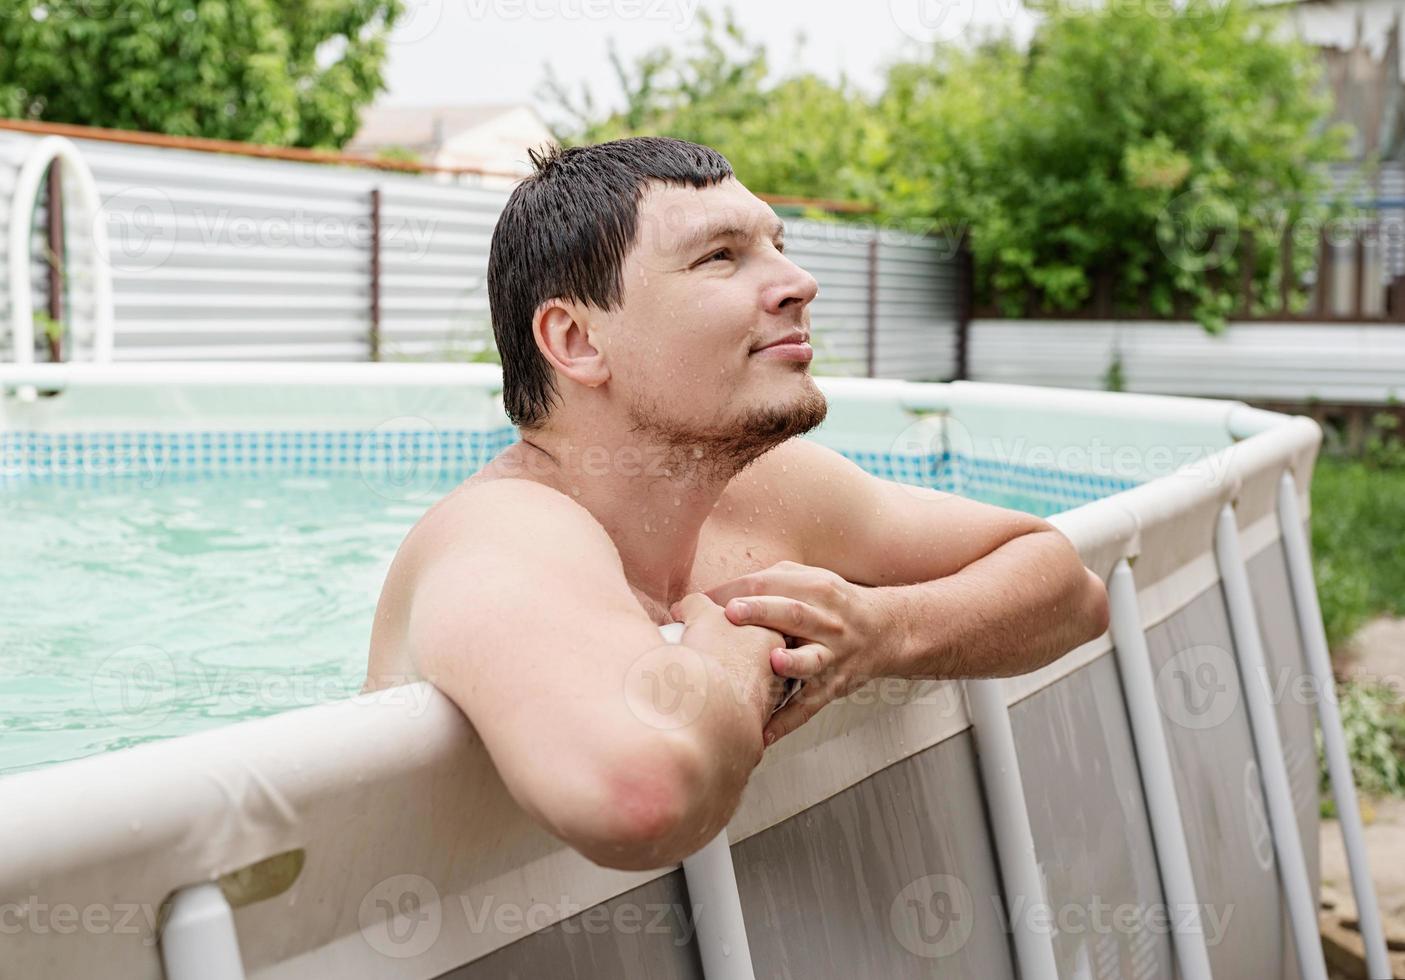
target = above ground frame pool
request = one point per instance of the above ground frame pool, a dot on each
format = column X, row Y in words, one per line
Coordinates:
column 1145, row 805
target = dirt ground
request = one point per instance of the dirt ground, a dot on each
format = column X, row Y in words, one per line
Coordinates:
column 1376, row 652
column 1385, row 843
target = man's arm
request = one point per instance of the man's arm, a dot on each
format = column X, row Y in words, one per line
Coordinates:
column 524, row 619
column 972, row 590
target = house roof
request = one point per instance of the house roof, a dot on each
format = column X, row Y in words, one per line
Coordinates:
column 424, row 127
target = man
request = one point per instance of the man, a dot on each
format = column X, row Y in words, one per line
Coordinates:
column 654, row 341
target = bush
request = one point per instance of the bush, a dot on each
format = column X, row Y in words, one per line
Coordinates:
column 1374, row 726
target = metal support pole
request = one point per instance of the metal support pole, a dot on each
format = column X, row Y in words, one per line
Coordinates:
column 1158, row 783
column 872, row 324
column 1329, row 717
column 1020, row 877
column 712, row 893
column 717, row 912
column 374, row 339
column 1268, row 746
column 199, row 941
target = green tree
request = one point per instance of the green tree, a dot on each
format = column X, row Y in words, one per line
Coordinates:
column 282, row 72
column 1162, row 149
column 1150, row 150
column 800, row 135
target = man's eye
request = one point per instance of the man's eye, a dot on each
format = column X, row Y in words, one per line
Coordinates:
column 725, row 253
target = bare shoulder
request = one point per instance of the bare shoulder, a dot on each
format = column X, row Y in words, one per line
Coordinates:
column 803, row 486
column 487, row 548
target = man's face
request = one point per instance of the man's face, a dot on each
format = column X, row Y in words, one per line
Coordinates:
column 705, row 285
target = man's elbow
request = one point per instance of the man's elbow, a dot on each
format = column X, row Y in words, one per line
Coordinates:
column 1098, row 616
column 646, row 816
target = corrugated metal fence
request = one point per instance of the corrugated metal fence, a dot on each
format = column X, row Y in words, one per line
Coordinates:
column 227, row 257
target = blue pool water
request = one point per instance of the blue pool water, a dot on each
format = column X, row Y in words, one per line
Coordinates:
column 154, row 601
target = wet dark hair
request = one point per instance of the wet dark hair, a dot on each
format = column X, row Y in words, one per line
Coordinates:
column 565, row 233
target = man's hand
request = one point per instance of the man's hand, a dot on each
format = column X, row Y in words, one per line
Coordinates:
column 844, row 634
column 741, row 648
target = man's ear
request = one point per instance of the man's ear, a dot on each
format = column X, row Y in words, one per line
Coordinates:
column 562, row 330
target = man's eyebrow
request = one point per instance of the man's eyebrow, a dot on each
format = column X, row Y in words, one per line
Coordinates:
column 709, row 233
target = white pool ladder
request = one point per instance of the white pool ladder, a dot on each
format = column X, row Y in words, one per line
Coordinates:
column 26, row 193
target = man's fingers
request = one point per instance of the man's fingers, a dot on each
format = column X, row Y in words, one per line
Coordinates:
column 783, row 614
column 800, row 710
column 786, row 578
column 803, row 662
column 691, row 606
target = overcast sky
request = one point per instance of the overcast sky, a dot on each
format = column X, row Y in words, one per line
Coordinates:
column 473, row 51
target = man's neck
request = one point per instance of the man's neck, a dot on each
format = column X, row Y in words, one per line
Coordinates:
column 651, row 500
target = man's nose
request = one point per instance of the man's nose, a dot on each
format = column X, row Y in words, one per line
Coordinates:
column 793, row 287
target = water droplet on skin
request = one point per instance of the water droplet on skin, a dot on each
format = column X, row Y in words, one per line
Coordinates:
column 575, row 491
column 676, row 501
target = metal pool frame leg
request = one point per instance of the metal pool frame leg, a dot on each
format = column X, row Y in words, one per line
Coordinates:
column 199, row 941
column 1319, row 663
column 717, row 911
column 1158, row 782
column 718, row 924
column 1268, row 746
column 1020, row 877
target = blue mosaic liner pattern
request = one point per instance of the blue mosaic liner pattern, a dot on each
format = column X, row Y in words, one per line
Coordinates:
column 96, row 459
column 973, row 476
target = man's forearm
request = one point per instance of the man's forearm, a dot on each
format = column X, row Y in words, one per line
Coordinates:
column 1023, row 605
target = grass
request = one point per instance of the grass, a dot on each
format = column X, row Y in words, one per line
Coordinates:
column 1358, row 523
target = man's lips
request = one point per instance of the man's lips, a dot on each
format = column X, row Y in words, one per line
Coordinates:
column 786, row 352
column 792, row 347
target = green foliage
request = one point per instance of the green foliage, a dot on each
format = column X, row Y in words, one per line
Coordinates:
column 800, row 136
column 1143, row 144
column 1374, row 726
column 47, row 327
column 1138, row 146
column 1384, row 448
column 1358, row 521
column 281, row 72
column 1114, row 378
column 398, row 154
